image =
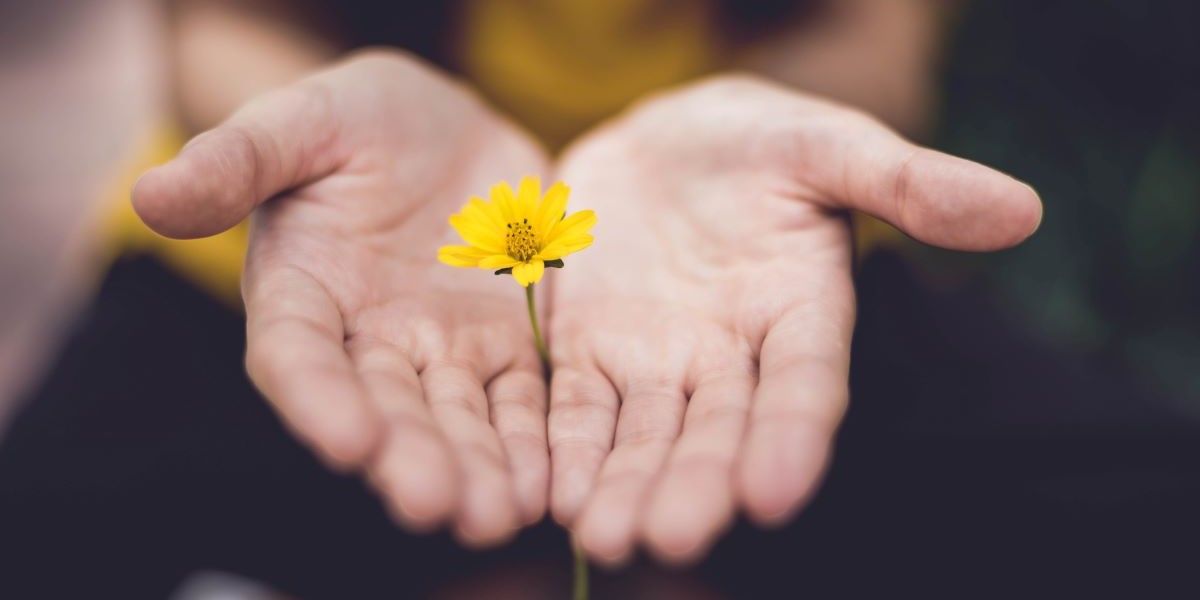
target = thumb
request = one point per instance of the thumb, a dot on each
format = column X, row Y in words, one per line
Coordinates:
column 934, row 197
column 274, row 143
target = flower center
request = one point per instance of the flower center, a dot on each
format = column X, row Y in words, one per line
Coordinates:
column 521, row 243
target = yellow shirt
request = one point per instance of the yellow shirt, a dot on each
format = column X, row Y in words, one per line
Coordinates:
column 556, row 67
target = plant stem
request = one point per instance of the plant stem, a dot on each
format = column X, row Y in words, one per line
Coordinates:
column 538, row 340
column 581, row 567
column 581, row 572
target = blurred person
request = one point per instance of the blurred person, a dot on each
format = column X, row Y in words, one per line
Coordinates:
column 678, row 49
column 59, row 162
column 427, row 382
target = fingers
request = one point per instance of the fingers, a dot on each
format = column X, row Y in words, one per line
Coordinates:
column 295, row 356
column 650, row 419
column 583, row 417
column 487, row 511
column 276, row 142
column 414, row 469
column 693, row 501
column 939, row 199
column 800, row 399
column 518, row 409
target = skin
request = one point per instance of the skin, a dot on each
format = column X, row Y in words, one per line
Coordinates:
column 700, row 348
column 702, row 345
column 423, row 378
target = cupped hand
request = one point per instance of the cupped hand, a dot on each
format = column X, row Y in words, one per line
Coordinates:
column 384, row 361
column 701, row 348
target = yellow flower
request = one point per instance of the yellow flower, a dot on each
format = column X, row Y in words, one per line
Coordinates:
column 520, row 234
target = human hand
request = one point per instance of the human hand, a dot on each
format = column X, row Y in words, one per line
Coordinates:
column 701, row 349
column 374, row 354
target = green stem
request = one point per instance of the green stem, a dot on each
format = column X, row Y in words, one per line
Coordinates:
column 581, row 573
column 538, row 340
column 581, row 567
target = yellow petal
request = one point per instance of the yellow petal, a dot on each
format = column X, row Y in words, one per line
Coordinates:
column 576, row 224
column 529, row 273
column 478, row 234
column 502, row 196
column 461, row 256
column 529, row 195
column 553, row 205
column 484, row 213
column 498, row 261
column 564, row 246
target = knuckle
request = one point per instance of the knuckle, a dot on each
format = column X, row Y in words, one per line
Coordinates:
column 516, row 437
column 485, row 455
column 732, row 413
column 704, row 464
column 579, row 445
column 901, row 189
column 646, row 435
column 382, row 58
column 525, row 400
column 243, row 153
column 731, row 83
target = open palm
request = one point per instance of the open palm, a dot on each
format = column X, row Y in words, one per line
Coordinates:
column 424, row 377
column 701, row 347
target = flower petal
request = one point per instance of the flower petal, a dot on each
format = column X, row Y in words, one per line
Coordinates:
column 529, row 273
column 484, row 213
column 461, row 256
column 551, row 210
column 502, row 197
column 498, row 261
column 575, row 224
column 478, row 234
column 564, row 246
column 529, row 195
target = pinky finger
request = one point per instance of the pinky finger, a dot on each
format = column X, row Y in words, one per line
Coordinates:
column 295, row 356
column 801, row 396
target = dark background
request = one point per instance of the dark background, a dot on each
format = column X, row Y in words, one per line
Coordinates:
column 1025, row 423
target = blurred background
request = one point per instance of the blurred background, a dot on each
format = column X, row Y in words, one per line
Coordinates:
column 1028, row 420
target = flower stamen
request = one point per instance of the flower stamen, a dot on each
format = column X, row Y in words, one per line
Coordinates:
column 520, row 241
column 535, row 228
